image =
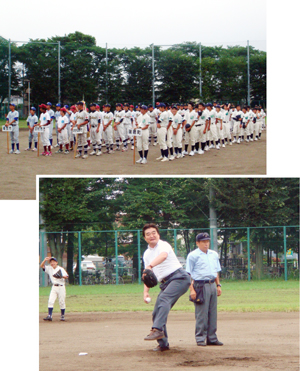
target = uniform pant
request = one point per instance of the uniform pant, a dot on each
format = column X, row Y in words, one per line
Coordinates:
column 63, row 137
column 126, row 128
column 170, row 292
column 206, row 314
column 212, row 133
column 96, row 137
column 161, row 136
column 51, row 129
column 169, row 137
column 260, row 126
column 244, row 131
column 152, row 129
column 120, row 132
column 60, row 293
column 226, row 130
column 220, row 132
column 82, row 138
column 32, row 136
column 70, row 134
column 45, row 137
column 142, row 142
column 256, row 129
column 177, row 138
column 201, row 137
column 191, row 136
column 108, row 135
column 56, row 127
column 250, row 125
column 236, row 128
column 14, row 134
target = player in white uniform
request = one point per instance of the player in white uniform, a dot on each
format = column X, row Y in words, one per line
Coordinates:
column 191, row 118
column 143, row 141
column 200, row 126
column 219, row 125
column 63, row 138
column 226, row 124
column 32, row 120
column 212, row 134
column 96, row 129
column 12, row 119
column 236, row 116
column 52, row 117
column 44, row 121
column 128, row 124
column 58, row 287
column 244, row 127
column 107, row 129
column 259, row 118
column 72, row 138
column 57, row 116
column 152, row 128
column 177, row 132
column 81, row 121
column 119, row 125
column 162, row 123
column 255, row 124
column 250, row 126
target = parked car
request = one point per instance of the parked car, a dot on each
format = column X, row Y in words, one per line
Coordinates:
column 86, row 266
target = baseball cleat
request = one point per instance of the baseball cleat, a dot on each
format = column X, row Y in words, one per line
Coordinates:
column 62, row 318
column 93, row 153
column 238, row 141
column 234, row 141
column 211, row 146
column 66, row 152
column 34, row 149
column 48, row 318
column 217, row 146
column 171, row 158
column 139, row 160
column 206, row 148
column 185, row 152
column 159, row 158
column 124, row 149
column 17, row 152
column 247, row 140
column 98, row 153
column 161, row 349
column 27, row 149
column 201, row 343
column 200, row 152
column 214, row 342
column 144, row 161
column 155, row 143
column 223, row 145
column 56, row 145
column 165, row 159
column 85, row 156
column 155, row 334
column 59, row 151
column 78, row 155
column 191, row 153
column 132, row 147
column 44, row 153
column 230, row 143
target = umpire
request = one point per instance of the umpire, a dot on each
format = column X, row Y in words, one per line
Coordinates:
column 175, row 282
column 203, row 265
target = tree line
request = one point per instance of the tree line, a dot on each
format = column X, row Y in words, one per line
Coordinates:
column 107, row 204
column 127, row 77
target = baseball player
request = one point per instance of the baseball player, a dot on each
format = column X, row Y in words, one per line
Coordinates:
column 226, row 124
column 200, row 127
column 57, row 116
column 237, row 118
column 32, row 121
column 251, row 116
column 96, row 129
column 107, row 129
column 143, row 141
column 259, row 118
column 203, row 265
column 52, row 117
column 162, row 123
column 255, row 124
column 58, row 286
column 119, row 125
column 219, row 125
column 152, row 128
column 12, row 119
column 189, row 122
column 177, row 132
column 128, row 124
column 81, row 120
column 244, row 126
column 63, row 138
column 71, row 125
column 212, row 134
column 175, row 282
column 44, row 121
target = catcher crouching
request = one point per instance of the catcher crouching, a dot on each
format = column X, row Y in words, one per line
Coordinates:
column 57, row 276
column 162, row 265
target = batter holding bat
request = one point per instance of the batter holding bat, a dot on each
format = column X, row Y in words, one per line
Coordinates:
column 160, row 261
column 57, row 276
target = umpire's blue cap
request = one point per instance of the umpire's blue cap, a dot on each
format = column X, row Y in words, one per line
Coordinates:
column 202, row 237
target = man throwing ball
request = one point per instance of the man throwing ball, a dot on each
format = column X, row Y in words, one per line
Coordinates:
column 57, row 276
column 160, row 259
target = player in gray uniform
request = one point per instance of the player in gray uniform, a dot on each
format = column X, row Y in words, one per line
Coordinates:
column 57, row 116
column 152, row 129
column 52, row 117
column 32, row 120
column 174, row 282
column 12, row 119
column 58, row 286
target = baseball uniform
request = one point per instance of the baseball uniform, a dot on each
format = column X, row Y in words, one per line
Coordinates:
column 12, row 119
column 31, row 121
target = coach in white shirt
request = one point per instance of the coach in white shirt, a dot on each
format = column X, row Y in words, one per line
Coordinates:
column 175, row 282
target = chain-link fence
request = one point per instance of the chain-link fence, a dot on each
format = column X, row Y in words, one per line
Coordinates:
column 115, row 257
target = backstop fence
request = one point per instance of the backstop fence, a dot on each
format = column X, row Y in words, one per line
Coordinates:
column 115, row 256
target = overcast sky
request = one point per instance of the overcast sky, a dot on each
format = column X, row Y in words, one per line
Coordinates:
column 133, row 23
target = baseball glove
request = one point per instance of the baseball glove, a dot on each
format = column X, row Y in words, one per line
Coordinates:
column 58, row 274
column 149, row 278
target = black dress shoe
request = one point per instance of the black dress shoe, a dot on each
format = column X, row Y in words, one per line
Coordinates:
column 161, row 349
column 201, row 343
column 214, row 342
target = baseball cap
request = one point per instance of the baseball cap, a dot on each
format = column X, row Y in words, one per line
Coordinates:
column 49, row 104
column 118, row 105
column 174, row 106
column 144, row 107
column 32, row 108
column 132, row 106
column 66, row 106
column 63, row 109
column 52, row 258
column 150, row 106
column 97, row 106
column 107, row 105
column 162, row 105
column 208, row 105
column 58, row 105
column 93, row 104
column 43, row 106
column 218, row 106
column 157, row 103
column 80, row 102
column 12, row 104
column 202, row 237
column 126, row 105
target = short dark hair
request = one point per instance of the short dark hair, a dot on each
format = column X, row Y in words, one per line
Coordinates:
column 150, row 225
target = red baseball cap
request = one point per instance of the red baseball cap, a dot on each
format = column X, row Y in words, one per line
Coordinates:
column 43, row 106
column 63, row 109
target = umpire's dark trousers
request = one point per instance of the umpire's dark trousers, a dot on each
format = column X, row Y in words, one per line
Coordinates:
column 171, row 291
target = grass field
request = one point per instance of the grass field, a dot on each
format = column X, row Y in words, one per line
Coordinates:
column 239, row 296
column 22, row 123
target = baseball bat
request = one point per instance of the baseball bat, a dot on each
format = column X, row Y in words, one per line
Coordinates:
column 7, row 140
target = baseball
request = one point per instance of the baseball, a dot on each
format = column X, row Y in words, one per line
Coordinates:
column 148, row 300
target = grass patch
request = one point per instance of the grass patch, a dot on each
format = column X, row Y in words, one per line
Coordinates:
column 237, row 296
column 22, row 123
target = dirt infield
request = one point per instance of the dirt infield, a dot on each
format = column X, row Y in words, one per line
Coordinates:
column 114, row 341
column 19, row 171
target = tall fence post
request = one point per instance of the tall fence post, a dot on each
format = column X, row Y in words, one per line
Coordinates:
column 79, row 258
column 211, row 238
column 139, row 255
column 43, row 257
column 285, row 261
column 248, row 253
column 175, row 241
column 116, row 253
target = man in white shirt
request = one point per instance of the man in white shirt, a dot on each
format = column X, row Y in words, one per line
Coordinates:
column 175, row 282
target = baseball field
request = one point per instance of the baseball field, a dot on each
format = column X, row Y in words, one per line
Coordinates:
column 19, row 171
column 258, row 322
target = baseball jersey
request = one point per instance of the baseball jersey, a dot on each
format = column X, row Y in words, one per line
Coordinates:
column 13, row 116
column 245, row 117
column 203, row 266
column 127, row 117
column 226, row 115
column 51, row 114
column 202, row 117
column 50, row 271
column 152, row 116
column 212, row 116
column 44, row 118
column 57, row 115
column 236, row 113
column 62, row 121
column 32, row 120
column 81, row 116
column 191, row 117
column 108, row 116
column 137, row 114
column 94, row 118
column 143, row 120
column 219, row 115
column 177, row 119
column 164, row 119
column 119, row 115
column 168, row 266
column 72, row 118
